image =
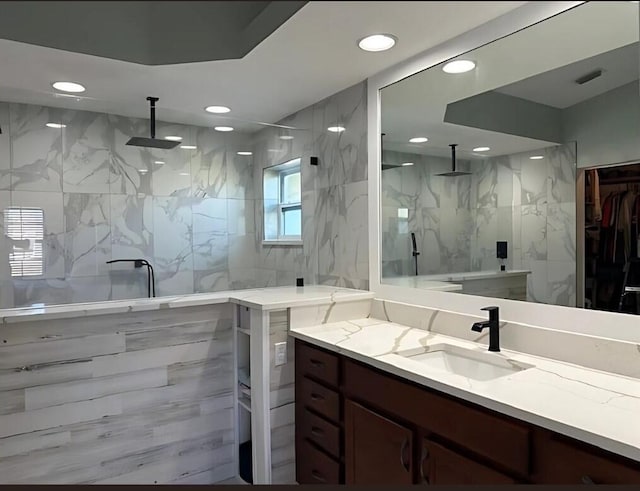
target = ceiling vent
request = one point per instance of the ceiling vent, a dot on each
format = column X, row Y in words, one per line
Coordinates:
column 589, row 77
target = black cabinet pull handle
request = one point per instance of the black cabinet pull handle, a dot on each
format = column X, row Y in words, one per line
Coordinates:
column 316, row 363
column 317, row 476
column 587, row 480
column 403, row 447
column 315, row 431
column 316, row 397
column 425, row 456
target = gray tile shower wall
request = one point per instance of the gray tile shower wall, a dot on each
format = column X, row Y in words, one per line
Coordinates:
column 189, row 212
column 196, row 215
column 334, row 249
column 529, row 203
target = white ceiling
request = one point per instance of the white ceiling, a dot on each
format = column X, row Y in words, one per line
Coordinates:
column 416, row 105
column 310, row 57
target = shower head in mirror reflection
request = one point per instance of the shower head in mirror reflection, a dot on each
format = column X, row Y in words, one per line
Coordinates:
column 542, row 126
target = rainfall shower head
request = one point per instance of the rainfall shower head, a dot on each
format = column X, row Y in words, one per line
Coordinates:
column 140, row 141
column 454, row 172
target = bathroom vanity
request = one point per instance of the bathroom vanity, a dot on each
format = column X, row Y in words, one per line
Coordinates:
column 381, row 402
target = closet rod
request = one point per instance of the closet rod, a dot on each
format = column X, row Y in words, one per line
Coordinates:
column 619, row 180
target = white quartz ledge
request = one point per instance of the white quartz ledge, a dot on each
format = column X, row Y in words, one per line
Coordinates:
column 477, row 275
column 275, row 298
column 596, row 407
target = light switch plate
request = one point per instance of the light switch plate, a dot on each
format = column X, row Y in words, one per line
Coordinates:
column 281, row 353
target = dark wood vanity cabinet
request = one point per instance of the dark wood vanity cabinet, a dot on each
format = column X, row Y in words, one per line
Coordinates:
column 377, row 450
column 319, row 436
column 440, row 465
column 360, row 425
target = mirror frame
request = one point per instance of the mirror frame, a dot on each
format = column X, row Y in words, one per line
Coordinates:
column 618, row 326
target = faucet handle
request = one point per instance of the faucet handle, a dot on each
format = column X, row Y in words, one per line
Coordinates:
column 491, row 309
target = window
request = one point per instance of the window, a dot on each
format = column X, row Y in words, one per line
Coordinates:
column 282, row 202
column 25, row 229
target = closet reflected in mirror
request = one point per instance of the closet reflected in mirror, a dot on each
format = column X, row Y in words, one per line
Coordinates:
column 488, row 180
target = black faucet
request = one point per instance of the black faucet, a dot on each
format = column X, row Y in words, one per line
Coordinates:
column 494, row 327
column 138, row 263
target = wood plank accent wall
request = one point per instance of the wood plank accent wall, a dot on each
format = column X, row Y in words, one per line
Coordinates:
column 135, row 398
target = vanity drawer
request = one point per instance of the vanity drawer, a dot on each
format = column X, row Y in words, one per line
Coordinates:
column 496, row 438
column 560, row 461
column 320, row 432
column 320, row 399
column 315, row 467
column 317, row 364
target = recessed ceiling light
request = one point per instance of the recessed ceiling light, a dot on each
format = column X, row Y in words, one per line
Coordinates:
column 286, row 137
column 418, row 139
column 536, row 157
column 336, row 129
column 377, row 42
column 159, row 162
column 407, row 164
column 68, row 87
column 223, row 128
column 184, row 173
column 459, row 66
column 56, row 125
column 245, row 153
column 481, row 149
column 217, row 109
column 188, row 147
column 143, row 171
column 173, row 138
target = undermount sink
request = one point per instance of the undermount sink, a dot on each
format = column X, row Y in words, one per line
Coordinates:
column 468, row 363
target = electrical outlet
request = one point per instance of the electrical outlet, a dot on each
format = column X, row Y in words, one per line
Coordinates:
column 281, row 353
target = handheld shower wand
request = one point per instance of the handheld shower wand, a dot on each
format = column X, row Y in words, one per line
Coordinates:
column 138, row 263
column 415, row 252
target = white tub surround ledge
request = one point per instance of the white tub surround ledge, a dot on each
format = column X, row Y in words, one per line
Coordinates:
column 590, row 405
column 267, row 299
column 145, row 391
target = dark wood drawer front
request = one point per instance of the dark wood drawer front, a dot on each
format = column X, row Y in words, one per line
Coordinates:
column 315, row 363
column 441, row 466
column 320, row 399
column 314, row 467
column 558, row 461
column 493, row 437
column 320, row 432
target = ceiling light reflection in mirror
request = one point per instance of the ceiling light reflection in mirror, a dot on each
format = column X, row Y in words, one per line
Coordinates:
column 523, row 131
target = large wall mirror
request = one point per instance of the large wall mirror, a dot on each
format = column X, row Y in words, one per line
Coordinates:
column 513, row 170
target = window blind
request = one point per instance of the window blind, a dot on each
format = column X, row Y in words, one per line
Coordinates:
column 27, row 226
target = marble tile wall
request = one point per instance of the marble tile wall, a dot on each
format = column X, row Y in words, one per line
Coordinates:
column 189, row 212
column 137, row 398
column 529, row 203
column 334, row 248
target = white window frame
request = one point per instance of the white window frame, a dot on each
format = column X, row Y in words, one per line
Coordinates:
column 277, row 174
column 283, row 207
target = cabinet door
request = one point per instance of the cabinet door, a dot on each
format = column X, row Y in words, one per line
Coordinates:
column 560, row 461
column 377, row 450
column 440, row 465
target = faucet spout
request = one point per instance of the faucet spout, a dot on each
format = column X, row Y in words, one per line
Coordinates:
column 494, row 327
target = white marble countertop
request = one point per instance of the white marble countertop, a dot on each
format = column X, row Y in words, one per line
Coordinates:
column 596, row 407
column 274, row 298
column 422, row 282
column 476, row 275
